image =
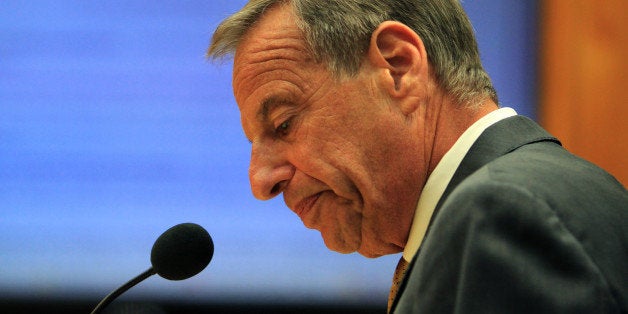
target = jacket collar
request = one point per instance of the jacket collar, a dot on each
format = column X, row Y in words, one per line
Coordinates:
column 497, row 140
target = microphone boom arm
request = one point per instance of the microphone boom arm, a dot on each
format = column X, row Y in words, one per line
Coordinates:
column 149, row 272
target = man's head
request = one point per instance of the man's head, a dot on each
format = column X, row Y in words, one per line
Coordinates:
column 338, row 32
column 345, row 108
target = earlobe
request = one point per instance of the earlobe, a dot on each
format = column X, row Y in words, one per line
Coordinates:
column 398, row 49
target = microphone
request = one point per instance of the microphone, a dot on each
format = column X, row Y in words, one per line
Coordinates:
column 179, row 253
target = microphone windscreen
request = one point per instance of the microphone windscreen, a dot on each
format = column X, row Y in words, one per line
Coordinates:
column 182, row 251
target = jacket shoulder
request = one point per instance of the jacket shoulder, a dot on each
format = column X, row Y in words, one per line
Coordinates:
column 514, row 237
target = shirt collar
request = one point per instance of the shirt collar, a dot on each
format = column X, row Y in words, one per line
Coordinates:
column 442, row 174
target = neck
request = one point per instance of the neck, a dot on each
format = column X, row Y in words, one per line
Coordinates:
column 449, row 120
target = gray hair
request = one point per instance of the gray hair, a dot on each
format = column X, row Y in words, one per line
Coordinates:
column 338, row 33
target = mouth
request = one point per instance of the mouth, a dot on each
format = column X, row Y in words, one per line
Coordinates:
column 306, row 204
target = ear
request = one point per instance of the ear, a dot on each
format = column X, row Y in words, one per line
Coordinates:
column 398, row 50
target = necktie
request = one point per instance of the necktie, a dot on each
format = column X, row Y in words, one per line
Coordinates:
column 400, row 271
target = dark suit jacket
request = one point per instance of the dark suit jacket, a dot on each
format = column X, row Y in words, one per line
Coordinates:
column 523, row 227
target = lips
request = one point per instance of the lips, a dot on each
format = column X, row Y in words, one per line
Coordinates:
column 306, row 204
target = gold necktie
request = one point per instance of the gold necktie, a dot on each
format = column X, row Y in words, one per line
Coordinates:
column 400, row 271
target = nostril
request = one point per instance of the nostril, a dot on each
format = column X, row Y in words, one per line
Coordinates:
column 277, row 188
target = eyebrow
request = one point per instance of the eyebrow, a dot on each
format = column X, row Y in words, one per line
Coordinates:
column 269, row 104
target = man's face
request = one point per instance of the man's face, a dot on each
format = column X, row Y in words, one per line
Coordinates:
column 345, row 158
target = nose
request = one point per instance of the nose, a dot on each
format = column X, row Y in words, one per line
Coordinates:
column 269, row 172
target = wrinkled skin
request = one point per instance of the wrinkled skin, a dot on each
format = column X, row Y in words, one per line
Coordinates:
column 350, row 156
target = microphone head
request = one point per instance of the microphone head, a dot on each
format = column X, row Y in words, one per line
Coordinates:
column 182, row 251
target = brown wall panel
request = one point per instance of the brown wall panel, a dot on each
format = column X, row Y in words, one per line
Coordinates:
column 584, row 79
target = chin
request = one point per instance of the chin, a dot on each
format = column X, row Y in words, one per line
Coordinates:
column 343, row 247
column 373, row 253
column 378, row 251
column 370, row 254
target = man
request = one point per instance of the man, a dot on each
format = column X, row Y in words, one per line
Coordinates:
column 377, row 122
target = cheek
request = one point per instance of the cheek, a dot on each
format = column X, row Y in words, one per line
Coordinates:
column 323, row 147
column 394, row 179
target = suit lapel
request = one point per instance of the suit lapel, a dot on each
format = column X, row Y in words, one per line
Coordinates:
column 497, row 140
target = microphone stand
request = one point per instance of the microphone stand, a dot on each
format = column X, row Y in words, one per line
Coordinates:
column 109, row 298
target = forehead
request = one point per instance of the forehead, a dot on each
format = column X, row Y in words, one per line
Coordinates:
column 271, row 62
column 275, row 37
